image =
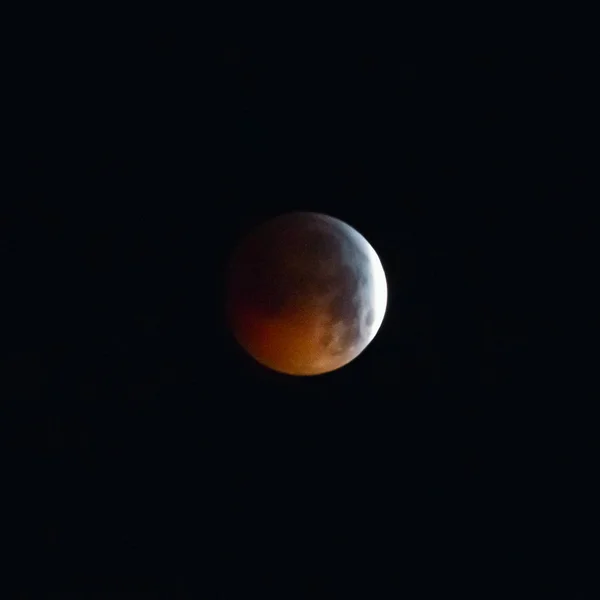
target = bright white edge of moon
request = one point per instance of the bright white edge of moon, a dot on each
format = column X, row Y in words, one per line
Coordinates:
column 380, row 292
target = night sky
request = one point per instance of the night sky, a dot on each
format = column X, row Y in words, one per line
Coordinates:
column 162, row 458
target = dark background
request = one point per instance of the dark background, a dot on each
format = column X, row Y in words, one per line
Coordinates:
column 161, row 458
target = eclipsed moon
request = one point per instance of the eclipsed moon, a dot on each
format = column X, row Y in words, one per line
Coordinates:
column 306, row 293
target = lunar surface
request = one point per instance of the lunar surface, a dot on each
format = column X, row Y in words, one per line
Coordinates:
column 306, row 293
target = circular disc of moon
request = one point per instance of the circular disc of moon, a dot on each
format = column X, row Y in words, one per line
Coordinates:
column 306, row 293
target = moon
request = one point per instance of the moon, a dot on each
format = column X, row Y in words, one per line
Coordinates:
column 306, row 293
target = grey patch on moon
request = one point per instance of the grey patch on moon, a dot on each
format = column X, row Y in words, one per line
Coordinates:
column 349, row 327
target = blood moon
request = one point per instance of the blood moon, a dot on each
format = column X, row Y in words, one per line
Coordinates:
column 306, row 293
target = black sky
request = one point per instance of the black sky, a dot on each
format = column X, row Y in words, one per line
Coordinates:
column 165, row 460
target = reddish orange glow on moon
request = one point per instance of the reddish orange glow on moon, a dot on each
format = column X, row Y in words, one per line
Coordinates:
column 306, row 294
